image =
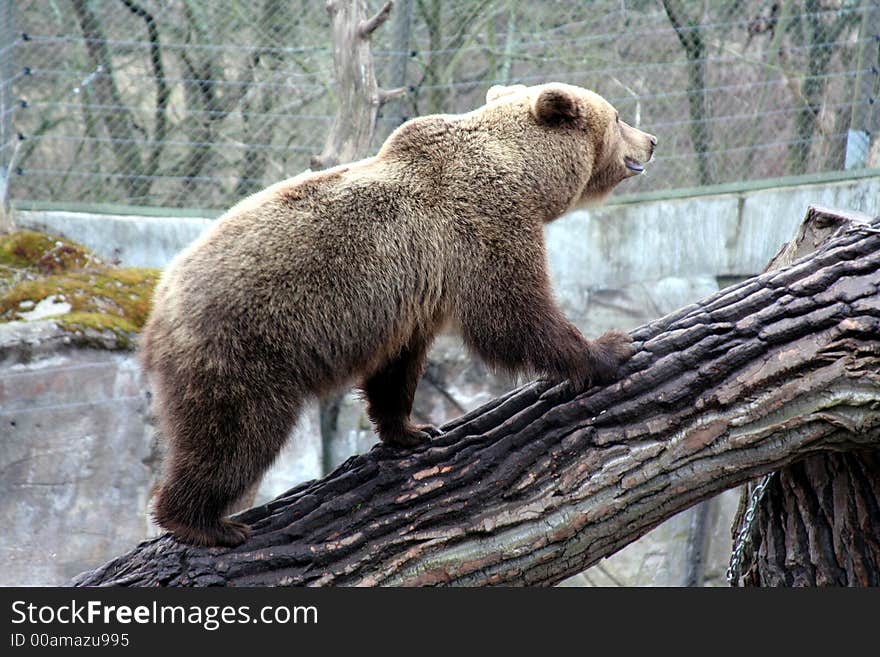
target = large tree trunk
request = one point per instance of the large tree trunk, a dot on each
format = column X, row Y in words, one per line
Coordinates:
column 540, row 484
column 818, row 522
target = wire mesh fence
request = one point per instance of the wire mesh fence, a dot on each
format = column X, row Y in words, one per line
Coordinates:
column 193, row 103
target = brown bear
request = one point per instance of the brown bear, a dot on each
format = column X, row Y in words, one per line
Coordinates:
column 348, row 274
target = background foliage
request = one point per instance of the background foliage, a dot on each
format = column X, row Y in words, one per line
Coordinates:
column 195, row 104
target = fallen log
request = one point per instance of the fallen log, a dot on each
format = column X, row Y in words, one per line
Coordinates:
column 540, row 484
column 817, row 521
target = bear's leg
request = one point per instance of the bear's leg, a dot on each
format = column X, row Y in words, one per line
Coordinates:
column 525, row 331
column 389, row 393
column 218, row 449
column 509, row 318
column 192, row 508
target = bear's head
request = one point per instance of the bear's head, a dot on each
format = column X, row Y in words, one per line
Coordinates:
column 575, row 134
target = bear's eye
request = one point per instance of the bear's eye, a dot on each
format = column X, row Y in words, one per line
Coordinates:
column 617, row 117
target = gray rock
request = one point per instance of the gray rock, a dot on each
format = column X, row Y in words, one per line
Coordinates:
column 77, row 461
column 50, row 306
column 79, row 457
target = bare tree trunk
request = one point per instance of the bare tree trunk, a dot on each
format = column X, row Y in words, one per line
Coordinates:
column 820, row 36
column 698, row 543
column 163, row 93
column 359, row 94
column 209, row 106
column 819, row 520
column 400, row 62
column 119, row 122
column 819, row 524
column 449, row 35
column 539, row 485
column 432, row 15
column 255, row 158
column 688, row 31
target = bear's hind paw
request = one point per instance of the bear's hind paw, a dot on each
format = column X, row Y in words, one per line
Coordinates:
column 223, row 533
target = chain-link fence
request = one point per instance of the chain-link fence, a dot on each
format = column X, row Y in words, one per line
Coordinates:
column 194, row 103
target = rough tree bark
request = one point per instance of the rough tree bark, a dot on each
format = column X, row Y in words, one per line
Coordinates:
column 819, row 520
column 359, row 94
column 540, row 484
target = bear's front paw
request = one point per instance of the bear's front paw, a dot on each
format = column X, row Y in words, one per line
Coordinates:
column 608, row 352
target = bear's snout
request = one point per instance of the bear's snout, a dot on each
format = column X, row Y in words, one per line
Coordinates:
column 639, row 150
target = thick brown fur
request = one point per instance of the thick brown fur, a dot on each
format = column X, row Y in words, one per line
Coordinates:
column 349, row 274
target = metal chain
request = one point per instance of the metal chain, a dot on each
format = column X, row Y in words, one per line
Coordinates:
column 744, row 537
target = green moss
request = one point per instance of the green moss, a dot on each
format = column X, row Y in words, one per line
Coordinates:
column 98, row 322
column 24, row 248
column 108, row 305
column 123, row 293
column 91, row 326
column 8, row 277
column 44, row 254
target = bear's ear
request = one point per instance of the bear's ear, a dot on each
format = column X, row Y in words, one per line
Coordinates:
column 555, row 107
column 499, row 90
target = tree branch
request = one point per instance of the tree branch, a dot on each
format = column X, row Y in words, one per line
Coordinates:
column 370, row 25
column 688, row 32
column 685, row 28
column 163, row 93
column 359, row 96
column 539, row 484
column 119, row 122
column 390, row 94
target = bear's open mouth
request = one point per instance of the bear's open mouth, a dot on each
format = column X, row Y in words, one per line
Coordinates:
column 633, row 165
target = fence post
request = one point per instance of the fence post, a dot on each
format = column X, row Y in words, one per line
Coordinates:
column 863, row 122
column 400, row 61
column 8, row 38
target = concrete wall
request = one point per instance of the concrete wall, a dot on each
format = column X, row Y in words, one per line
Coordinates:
column 730, row 234
column 132, row 240
column 616, row 266
column 77, row 456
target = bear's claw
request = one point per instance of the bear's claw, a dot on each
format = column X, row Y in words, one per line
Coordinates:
column 410, row 436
